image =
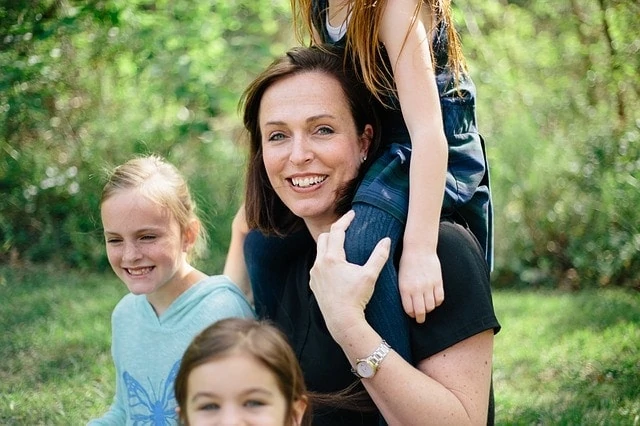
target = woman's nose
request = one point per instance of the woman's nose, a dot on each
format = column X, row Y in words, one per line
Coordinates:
column 301, row 151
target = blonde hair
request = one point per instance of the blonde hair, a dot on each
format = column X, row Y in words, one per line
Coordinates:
column 161, row 183
column 363, row 44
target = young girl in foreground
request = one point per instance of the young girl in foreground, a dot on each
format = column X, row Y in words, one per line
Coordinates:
column 150, row 228
column 241, row 371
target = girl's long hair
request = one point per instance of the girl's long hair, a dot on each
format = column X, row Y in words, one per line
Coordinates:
column 363, row 44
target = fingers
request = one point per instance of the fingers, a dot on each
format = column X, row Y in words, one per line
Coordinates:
column 378, row 257
column 338, row 229
column 321, row 245
column 333, row 241
column 438, row 295
column 418, row 306
column 421, row 307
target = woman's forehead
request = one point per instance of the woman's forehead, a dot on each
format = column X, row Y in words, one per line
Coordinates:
column 312, row 92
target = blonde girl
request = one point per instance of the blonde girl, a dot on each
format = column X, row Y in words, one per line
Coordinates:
column 150, row 229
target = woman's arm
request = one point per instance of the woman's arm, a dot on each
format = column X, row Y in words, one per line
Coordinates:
column 235, row 267
column 407, row 42
column 451, row 387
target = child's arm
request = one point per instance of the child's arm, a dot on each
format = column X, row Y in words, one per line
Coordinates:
column 235, row 267
column 408, row 47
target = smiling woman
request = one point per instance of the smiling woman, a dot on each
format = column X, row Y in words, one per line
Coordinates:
column 308, row 136
column 313, row 132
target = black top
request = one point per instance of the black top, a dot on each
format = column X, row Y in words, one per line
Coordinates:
column 285, row 297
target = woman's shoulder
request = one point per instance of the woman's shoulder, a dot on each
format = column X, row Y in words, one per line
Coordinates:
column 457, row 244
column 468, row 306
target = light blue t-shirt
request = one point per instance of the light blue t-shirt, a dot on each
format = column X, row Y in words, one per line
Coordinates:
column 147, row 349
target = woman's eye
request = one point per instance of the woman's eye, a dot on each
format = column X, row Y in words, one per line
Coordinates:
column 113, row 240
column 276, row 136
column 148, row 237
column 325, row 130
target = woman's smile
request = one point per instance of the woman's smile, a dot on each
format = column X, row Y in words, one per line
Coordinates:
column 307, row 181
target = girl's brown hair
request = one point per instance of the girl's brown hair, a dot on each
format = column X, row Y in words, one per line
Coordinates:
column 264, row 209
column 363, row 44
column 258, row 339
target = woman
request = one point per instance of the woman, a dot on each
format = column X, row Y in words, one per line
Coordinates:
column 312, row 133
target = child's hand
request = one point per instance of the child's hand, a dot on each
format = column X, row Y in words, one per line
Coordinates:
column 420, row 282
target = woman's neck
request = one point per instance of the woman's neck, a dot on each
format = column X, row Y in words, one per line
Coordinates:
column 317, row 227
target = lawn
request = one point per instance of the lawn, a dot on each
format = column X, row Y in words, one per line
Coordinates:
column 560, row 359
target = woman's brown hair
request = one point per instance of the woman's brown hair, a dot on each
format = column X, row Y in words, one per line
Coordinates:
column 264, row 209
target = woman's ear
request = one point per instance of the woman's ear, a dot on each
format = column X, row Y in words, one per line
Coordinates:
column 190, row 235
column 298, row 408
column 365, row 139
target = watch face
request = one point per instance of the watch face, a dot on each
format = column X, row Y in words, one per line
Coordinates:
column 365, row 369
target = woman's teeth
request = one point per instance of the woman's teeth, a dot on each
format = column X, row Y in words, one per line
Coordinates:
column 306, row 182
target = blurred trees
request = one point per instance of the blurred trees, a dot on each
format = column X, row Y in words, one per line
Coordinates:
column 559, row 106
column 87, row 84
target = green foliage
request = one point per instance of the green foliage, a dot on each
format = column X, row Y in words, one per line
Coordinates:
column 558, row 93
column 87, row 85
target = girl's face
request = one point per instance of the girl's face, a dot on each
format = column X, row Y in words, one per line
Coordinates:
column 145, row 245
column 237, row 389
column 311, row 147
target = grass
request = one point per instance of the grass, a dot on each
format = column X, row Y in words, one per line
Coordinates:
column 560, row 359
column 568, row 359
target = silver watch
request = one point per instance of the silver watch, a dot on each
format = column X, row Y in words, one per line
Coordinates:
column 366, row 367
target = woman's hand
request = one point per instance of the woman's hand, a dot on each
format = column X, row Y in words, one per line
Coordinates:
column 343, row 289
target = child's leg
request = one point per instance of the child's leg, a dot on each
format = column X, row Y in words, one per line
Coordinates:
column 384, row 311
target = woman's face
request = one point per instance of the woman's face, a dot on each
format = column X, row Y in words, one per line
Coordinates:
column 311, row 147
column 237, row 390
